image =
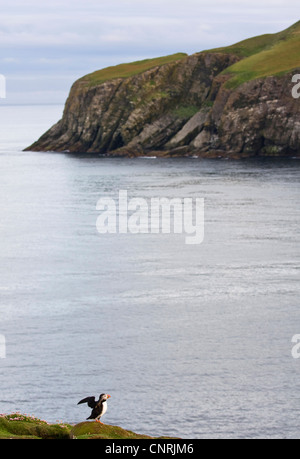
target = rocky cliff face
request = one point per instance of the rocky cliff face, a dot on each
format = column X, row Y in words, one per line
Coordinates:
column 180, row 108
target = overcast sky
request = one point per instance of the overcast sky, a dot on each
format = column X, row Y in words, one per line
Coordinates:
column 46, row 45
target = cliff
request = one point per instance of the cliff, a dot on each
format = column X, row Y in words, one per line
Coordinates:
column 228, row 102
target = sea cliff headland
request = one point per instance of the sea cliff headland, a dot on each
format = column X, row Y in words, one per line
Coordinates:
column 232, row 102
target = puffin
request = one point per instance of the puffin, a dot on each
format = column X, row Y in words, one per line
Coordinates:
column 99, row 408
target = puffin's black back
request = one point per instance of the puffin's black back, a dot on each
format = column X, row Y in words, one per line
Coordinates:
column 97, row 410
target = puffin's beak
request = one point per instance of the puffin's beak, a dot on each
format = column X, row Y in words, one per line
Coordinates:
column 108, row 396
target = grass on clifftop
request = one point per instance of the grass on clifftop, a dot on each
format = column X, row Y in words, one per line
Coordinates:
column 20, row 426
column 262, row 56
column 94, row 430
column 129, row 69
column 265, row 55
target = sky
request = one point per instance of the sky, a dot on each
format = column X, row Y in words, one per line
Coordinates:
column 46, row 45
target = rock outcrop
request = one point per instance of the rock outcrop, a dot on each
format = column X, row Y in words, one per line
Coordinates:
column 18, row 426
column 183, row 107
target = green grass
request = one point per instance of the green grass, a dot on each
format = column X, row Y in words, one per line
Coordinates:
column 129, row 69
column 93, row 430
column 186, row 111
column 266, row 55
column 260, row 43
column 262, row 56
column 19, row 426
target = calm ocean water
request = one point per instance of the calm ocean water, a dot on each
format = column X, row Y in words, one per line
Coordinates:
column 191, row 341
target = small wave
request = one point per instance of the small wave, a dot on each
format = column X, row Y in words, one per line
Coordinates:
column 148, row 157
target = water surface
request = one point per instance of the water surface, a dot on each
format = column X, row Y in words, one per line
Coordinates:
column 191, row 341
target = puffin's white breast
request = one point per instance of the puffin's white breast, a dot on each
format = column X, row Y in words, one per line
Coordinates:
column 104, row 408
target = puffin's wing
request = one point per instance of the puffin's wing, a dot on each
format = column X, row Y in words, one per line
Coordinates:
column 89, row 400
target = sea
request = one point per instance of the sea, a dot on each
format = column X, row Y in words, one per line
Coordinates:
column 190, row 340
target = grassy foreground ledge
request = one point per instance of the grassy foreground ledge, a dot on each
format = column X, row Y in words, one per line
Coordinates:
column 19, row 426
column 94, row 430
